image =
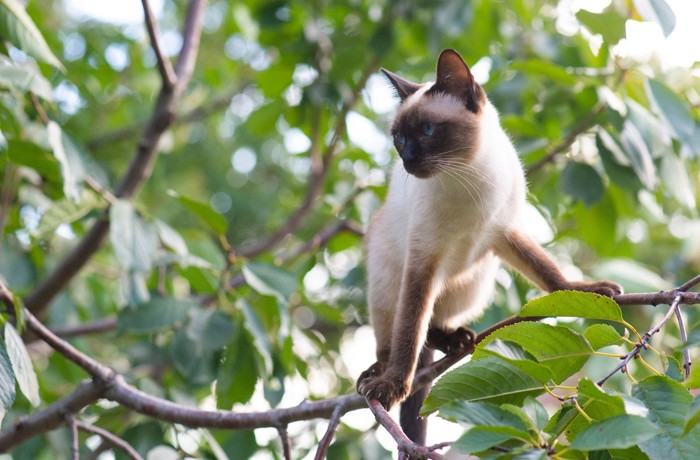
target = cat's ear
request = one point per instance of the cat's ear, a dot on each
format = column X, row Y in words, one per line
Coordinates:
column 404, row 88
column 454, row 77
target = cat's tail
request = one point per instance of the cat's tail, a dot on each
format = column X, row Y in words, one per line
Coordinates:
column 412, row 424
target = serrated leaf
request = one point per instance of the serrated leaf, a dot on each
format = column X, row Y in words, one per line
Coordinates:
column 22, row 365
column 484, row 380
column 237, row 374
column 582, row 182
column 598, row 405
column 133, row 239
column 559, row 348
column 268, row 279
column 609, row 24
column 171, row 238
column 617, row 432
column 204, row 212
column 134, row 288
column 602, row 335
column 157, row 314
column 18, row 28
column 190, row 358
column 573, row 304
column 669, row 403
column 25, row 79
column 514, row 355
column 73, row 168
column 31, row 155
column 659, row 12
column 7, row 382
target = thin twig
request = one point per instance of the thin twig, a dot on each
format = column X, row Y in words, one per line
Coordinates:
column 74, row 444
column 164, row 66
column 333, row 423
column 286, row 443
column 404, row 444
column 583, row 126
column 7, row 194
column 690, row 284
column 684, row 340
column 318, row 174
column 642, row 344
column 110, row 438
column 100, row 325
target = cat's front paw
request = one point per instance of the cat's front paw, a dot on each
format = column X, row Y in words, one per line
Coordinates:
column 451, row 343
column 385, row 389
column 606, row 288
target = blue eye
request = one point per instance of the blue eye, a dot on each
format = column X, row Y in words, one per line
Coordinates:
column 399, row 138
column 428, row 128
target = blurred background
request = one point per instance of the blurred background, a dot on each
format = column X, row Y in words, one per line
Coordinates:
column 285, row 126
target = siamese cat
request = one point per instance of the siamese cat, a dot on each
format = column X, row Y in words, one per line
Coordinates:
column 453, row 211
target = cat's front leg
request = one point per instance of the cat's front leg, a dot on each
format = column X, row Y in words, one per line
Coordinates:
column 408, row 335
column 525, row 255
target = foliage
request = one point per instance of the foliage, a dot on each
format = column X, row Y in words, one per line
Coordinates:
column 234, row 277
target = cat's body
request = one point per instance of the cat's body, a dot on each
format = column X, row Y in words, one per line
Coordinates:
column 453, row 210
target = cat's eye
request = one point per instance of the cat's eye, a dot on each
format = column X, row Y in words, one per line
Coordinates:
column 399, row 138
column 428, row 128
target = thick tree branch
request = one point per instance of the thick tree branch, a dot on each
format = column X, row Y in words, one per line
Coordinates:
column 139, row 170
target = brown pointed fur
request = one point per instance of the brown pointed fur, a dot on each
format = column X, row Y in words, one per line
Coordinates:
column 453, row 210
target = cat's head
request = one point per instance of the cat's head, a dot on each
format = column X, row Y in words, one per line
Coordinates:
column 438, row 123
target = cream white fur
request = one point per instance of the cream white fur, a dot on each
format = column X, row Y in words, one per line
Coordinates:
column 455, row 220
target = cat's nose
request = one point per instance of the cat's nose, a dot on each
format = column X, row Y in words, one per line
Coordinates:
column 409, row 152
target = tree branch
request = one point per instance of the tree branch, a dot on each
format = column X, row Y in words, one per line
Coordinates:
column 110, row 438
column 318, row 174
column 167, row 74
column 139, row 170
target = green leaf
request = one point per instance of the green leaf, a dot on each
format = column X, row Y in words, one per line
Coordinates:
column 514, row 355
column 673, row 110
column 133, row 239
column 67, row 211
column 659, row 12
column 560, row 349
column 574, row 304
column 7, row 382
column 618, row 432
column 598, row 404
column 212, row 328
column 22, row 365
column 255, row 327
column 237, row 374
column 268, row 279
column 31, row 155
column 157, row 314
column 638, row 152
column 545, row 68
column 582, row 182
column 73, row 168
column 25, row 79
column 479, row 439
column 484, row 414
column 669, row 403
column 171, row 238
column 602, row 335
column 204, row 212
column 484, row 380
column 609, row 24
column 190, row 358
column 676, row 179
column 536, row 412
column 18, row 28
column 693, row 417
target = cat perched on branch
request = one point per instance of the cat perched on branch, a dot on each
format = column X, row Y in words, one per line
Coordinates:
column 454, row 209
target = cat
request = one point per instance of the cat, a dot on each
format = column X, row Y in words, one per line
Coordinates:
column 453, row 210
